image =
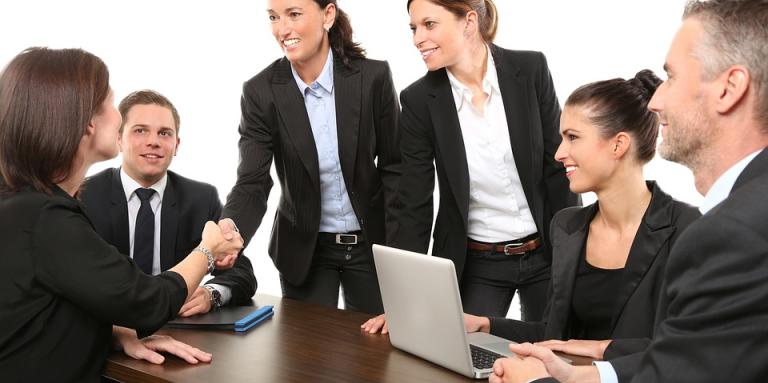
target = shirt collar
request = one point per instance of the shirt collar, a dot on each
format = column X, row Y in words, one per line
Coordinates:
column 324, row 81
column 462, row 93
column 130, row 185
column 722, row 187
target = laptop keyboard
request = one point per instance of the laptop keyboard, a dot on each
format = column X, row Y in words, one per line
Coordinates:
column 482, row 358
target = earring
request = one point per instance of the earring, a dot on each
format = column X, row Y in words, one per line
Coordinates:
column 327, row 29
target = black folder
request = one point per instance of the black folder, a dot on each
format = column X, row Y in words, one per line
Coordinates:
column 236, row 318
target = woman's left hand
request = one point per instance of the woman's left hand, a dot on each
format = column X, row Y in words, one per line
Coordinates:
column 149, row 348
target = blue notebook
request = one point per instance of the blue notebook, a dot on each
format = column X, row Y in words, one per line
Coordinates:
column 236, row 318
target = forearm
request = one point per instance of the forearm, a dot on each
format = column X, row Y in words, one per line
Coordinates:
column 192, row 269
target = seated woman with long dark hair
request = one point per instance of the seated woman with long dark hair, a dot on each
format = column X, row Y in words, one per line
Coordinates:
column 63, row 287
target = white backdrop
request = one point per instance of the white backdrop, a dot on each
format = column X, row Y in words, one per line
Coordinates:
column 198, row 53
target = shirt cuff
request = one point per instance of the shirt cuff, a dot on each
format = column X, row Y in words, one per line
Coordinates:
column 606, row 371
column 226, row 292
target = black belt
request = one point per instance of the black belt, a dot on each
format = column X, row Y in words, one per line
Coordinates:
column 352, row 238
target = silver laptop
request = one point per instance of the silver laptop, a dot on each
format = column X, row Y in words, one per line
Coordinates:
column 424, row 313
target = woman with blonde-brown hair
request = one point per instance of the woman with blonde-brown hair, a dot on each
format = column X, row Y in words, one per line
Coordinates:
column 486, row 120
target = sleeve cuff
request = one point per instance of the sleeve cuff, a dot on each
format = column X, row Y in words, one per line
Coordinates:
column 225, row 291
column 606, row 371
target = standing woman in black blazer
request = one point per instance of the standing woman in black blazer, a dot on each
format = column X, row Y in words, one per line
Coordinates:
column 608, row 258
column 328, row 118
column 63, row 287
column 487, row 119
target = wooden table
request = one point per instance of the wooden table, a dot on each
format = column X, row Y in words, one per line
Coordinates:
column 302, row 343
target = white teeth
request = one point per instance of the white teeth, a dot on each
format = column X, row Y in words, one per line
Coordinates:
column 290, row 42
column 153, row 156
column 569, row 169
column 426, row 53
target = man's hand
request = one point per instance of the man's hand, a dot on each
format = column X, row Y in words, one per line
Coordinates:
column 517, row 369
column 198, row 303
column 590, row 348
column 149, row 348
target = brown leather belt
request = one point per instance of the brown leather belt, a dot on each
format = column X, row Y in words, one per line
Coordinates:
column 515, row 248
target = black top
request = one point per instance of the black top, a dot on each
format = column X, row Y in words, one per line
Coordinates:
column 62, row 289
column 594, row 299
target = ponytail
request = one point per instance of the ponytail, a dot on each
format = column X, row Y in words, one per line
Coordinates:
column 340, row 36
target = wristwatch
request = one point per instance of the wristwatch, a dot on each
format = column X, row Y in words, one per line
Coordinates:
column 215, row 296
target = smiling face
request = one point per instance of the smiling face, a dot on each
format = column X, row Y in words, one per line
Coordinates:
column 438, row 34
column 300, row 28
column 588, row 158
column 681, row 100
column 148, row 142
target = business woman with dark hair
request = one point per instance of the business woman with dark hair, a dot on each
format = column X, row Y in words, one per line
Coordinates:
column 63, row 287
column 486, row 119
column 328, row 117
column 610, row 257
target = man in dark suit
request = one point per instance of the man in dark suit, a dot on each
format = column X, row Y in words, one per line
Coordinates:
column 175, row 212
column 714, row 306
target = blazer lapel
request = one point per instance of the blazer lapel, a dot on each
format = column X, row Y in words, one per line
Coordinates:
column 568, row 243
column 652, row 235
column 348, row 94
column 514, row 94
column 169, row 224
column 118, row 213
column 291, row 109
column 450, row 142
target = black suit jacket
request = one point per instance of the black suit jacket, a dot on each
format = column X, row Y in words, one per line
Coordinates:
column 275, row 125
column 714, row 307
column 432, row 138
column 638, row 297
column 187, row 206
column 63, row 287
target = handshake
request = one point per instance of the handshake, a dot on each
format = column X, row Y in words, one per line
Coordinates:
column 224, row 241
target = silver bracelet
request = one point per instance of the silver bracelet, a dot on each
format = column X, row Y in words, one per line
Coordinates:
column 211, row 259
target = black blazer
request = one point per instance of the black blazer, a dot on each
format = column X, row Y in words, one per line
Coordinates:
column 638, row 296
column 714, row 306
column 187, row 206
column 63, row 287
column 432, row 138
column 275, row 125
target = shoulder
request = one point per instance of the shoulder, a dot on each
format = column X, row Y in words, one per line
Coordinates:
column 265, row 77
column 524, row 60
column 189, row 185
column 371, row 65
column 572, row 218
column 103, row 177
column 30, row 207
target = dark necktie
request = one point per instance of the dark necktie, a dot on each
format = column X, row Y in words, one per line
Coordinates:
column 144, row 232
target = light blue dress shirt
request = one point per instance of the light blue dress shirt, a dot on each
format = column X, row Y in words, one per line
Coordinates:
column 716, row 194
column 336, row 213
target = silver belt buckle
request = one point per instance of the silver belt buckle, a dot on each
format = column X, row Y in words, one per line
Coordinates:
column 509, row 246
column 342, row 238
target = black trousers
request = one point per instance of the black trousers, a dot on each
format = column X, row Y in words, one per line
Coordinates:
column 490, row 280
column 334, row 266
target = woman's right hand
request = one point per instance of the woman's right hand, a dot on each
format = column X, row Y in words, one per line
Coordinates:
column 473, row 323
column 375, row 324
column 224, row 250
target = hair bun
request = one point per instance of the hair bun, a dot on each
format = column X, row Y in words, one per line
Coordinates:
column 647, row 82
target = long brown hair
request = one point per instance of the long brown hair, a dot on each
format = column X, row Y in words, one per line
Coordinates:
column 47, row 99
column 488, row 17
column 340, row 35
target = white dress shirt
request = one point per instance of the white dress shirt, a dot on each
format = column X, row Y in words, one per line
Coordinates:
column 498, row 208
column 134, row 203
column 156, row 203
